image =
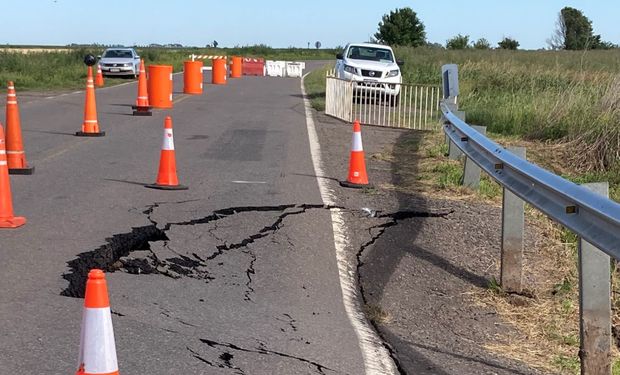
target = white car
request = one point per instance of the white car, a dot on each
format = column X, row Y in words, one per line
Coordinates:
column 120, row 62
column 372, row 66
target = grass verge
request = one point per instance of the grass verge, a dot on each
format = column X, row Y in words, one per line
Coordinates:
column 315, row 87
column 64, row 69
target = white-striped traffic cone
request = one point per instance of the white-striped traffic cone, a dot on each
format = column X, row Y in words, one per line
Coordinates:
column 97, row 348
column 357, row 177
column 167, row 175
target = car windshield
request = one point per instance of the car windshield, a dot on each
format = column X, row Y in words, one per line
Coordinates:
column 370, row 53
column 118, row 54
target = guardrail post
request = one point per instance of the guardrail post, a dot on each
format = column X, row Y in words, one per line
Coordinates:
column 453, row 151
column 513, row 223
column 450, row 83
column 471, row 173
column 594, row 303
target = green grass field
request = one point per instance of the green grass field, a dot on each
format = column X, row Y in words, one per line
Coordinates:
column 545, row 95
column 65, row 69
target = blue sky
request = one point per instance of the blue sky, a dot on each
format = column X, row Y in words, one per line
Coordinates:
column 285, row 23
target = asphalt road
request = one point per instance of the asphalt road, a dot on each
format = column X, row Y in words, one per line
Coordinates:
column 237, row 275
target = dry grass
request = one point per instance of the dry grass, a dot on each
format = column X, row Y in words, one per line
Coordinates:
column 376, row 314
column 546, row 326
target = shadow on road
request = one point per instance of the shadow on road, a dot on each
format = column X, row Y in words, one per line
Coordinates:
column 49, row 132
column 415, row 275
column 127, row 182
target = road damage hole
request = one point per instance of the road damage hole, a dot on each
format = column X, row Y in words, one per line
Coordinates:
column 106, row 257
column 132, row 252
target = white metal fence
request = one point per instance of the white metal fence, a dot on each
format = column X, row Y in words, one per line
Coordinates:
column 413, row 107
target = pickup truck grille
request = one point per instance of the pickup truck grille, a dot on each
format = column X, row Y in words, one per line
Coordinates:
column 372, row 73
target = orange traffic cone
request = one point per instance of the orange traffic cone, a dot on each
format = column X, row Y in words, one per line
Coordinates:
column 357, row 165
column 16, row 156
column 99, row 78
column 142, row 107
column 7, row 220
column 167, row 176
column 97, row 347
column 90, row 127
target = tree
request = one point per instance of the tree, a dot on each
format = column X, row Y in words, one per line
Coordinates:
column 508, row 43
column 215, row 43
column 574, row 32
column 401, row 28
column 458, row 42
column 482, row 43
column 317, row 44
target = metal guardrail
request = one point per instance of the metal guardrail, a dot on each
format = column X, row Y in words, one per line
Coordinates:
column 585, row 210
column 590, row 215
column 415, row 106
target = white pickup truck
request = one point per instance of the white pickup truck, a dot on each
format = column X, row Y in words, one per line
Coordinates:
column 372, row 66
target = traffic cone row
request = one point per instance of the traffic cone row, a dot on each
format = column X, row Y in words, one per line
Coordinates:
column 142, row 107
column 167, row 176
column 97, row 355
column 7, row 218
column 16, row 156
column 99, row 78
column 90, row 126
column 357, row 177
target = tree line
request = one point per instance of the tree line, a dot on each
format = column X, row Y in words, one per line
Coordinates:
column 573, row 31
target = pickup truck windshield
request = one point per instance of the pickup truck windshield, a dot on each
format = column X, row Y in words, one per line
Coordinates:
column 372, row 54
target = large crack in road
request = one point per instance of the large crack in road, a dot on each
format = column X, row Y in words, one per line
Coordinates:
column 133, row 252
column 150, row 250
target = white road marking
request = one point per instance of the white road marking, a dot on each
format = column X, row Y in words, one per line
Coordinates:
column 248, row 182
column 377, row 360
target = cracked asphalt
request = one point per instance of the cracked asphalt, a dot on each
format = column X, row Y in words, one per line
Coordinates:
column 237, row 275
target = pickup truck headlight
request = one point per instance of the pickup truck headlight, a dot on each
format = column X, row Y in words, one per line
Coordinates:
column 349, row 69
column 393, row 73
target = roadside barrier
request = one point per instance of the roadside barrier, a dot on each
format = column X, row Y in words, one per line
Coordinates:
column 392, row 105
column 142, row 107
column 99, row 78
column 236, row 67
column 284, row 68
column 90, row 126
column 585, row 210
column 160, row 86
column 97, row 354
column 192, row 77
column 167, row 175
column 253, row 66
column 207, row 57
column 7, row 218
column 357, row 177
column 295, row 69
column 218, row 75
column 275, row 68
column 16, row 156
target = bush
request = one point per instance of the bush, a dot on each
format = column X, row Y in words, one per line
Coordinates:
column 458, row 42
column 508, row 43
